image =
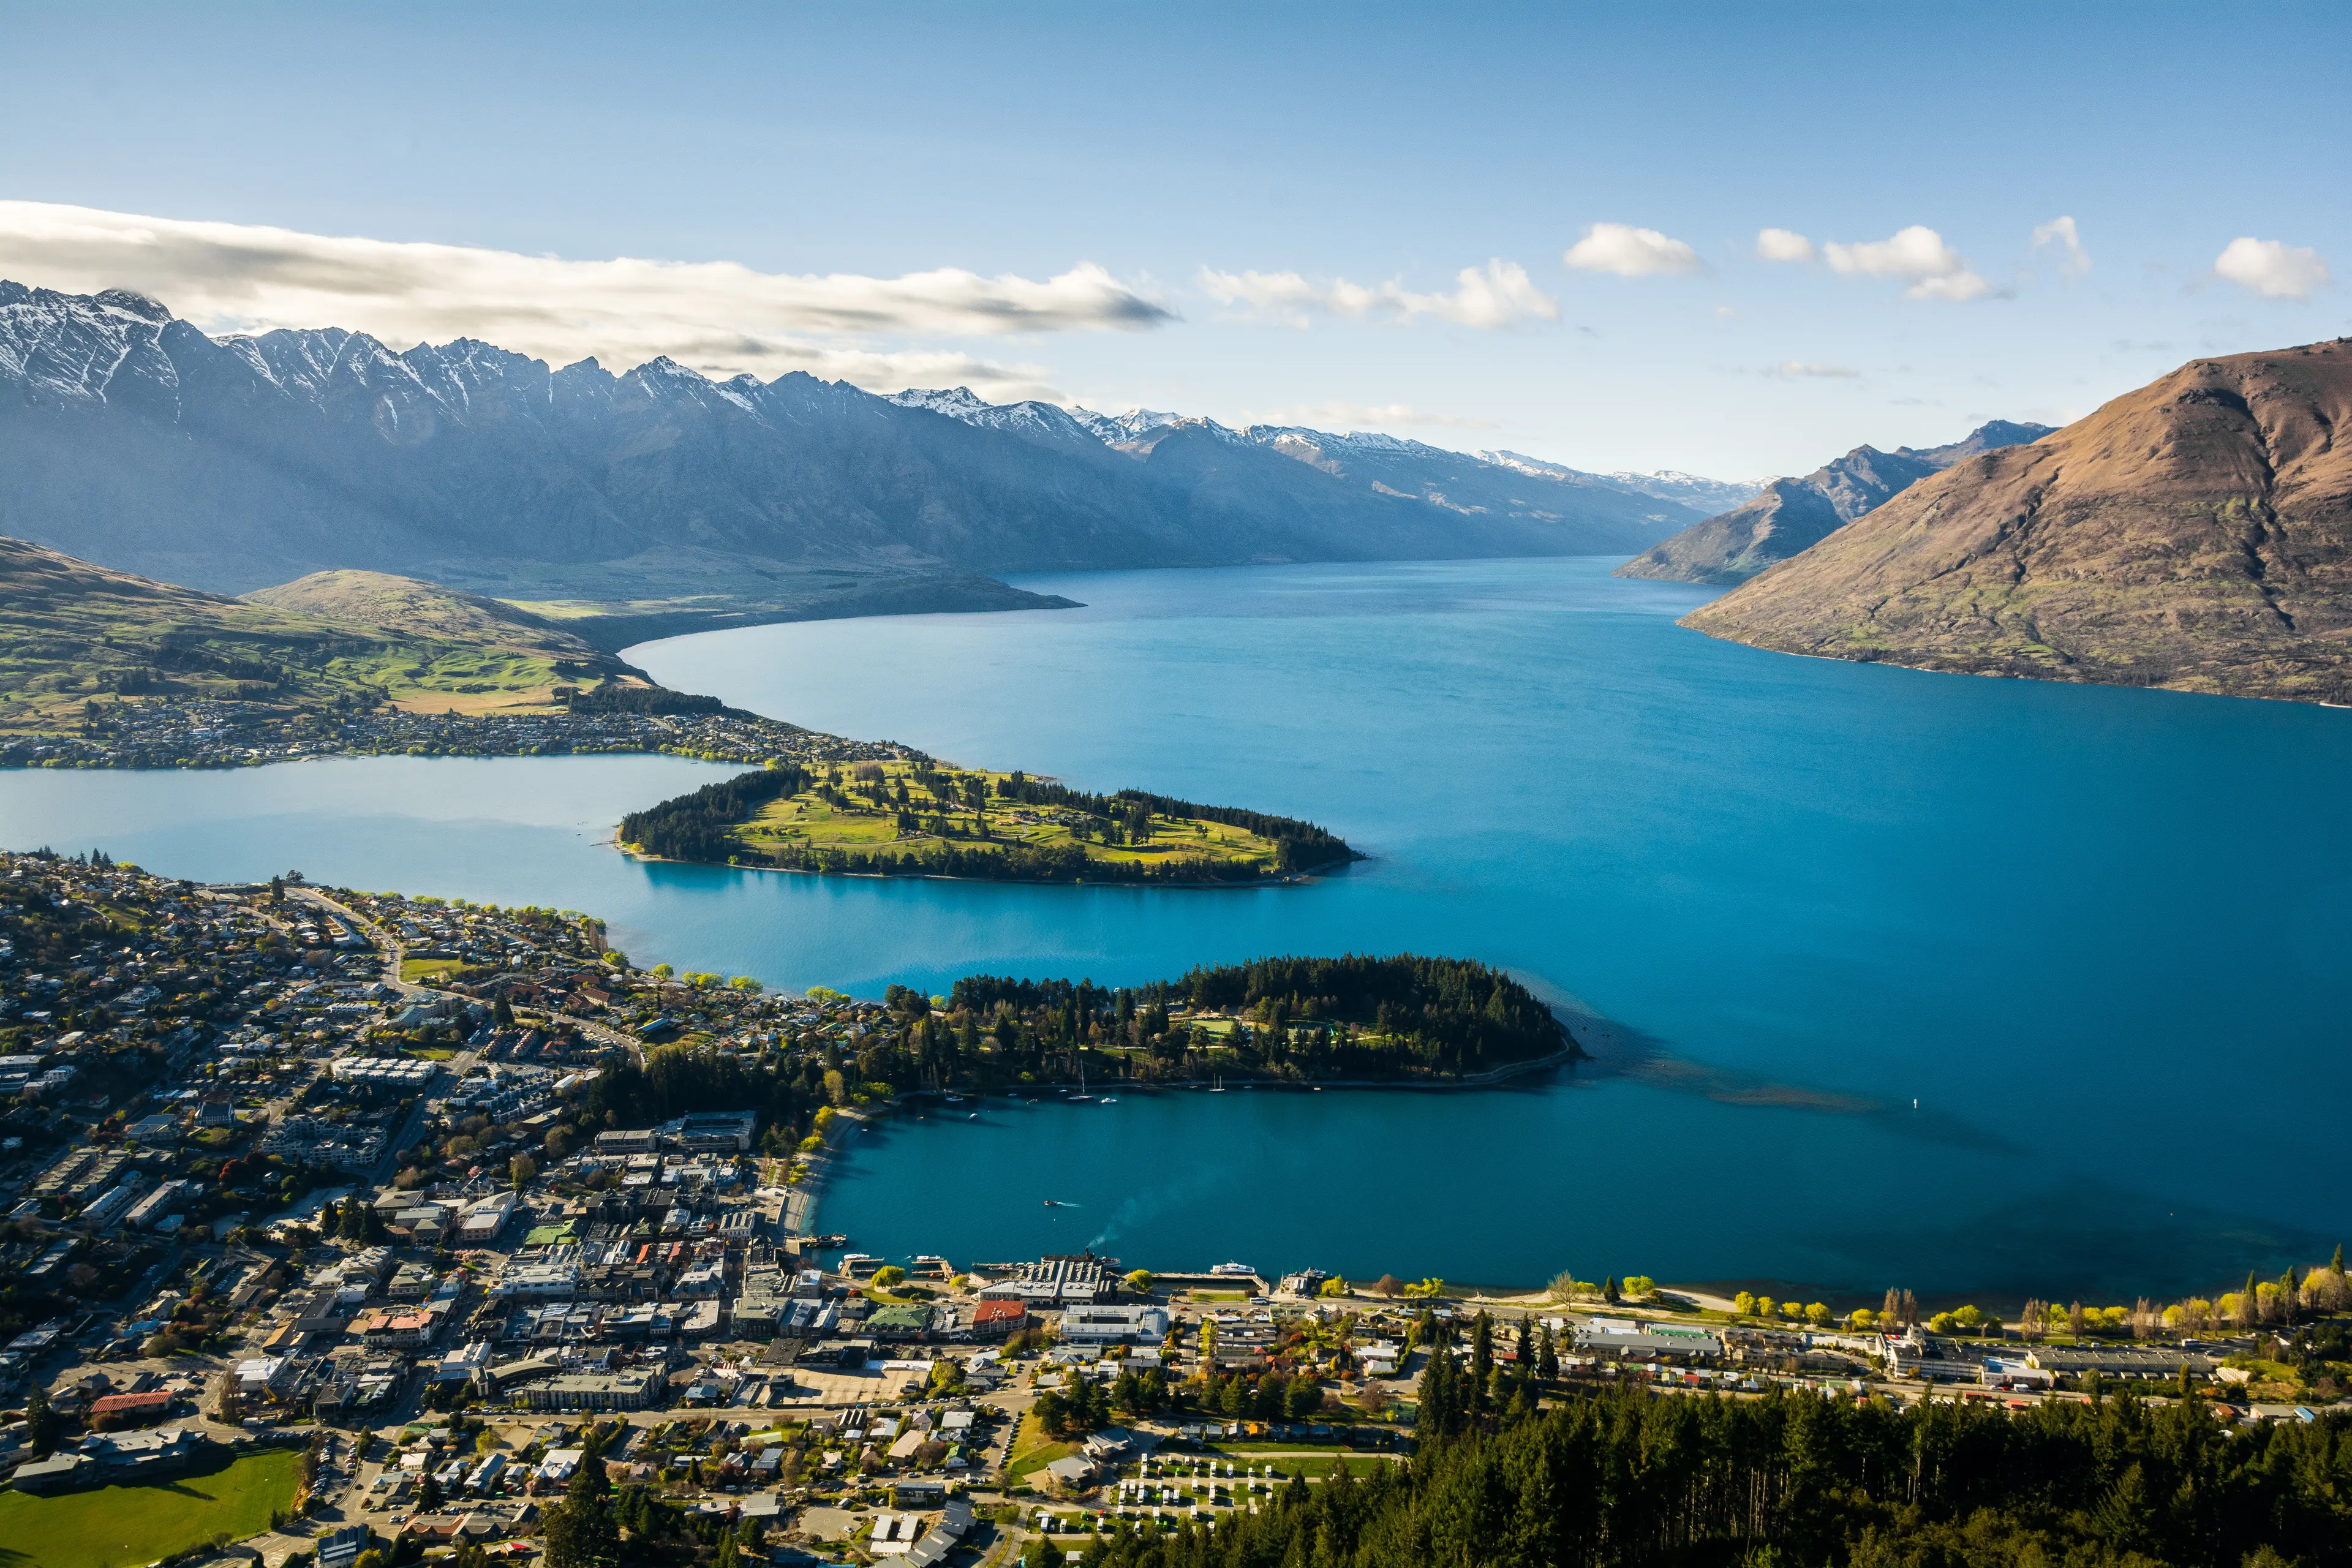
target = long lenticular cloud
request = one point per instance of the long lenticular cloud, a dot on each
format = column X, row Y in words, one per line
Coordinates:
column 718, row 316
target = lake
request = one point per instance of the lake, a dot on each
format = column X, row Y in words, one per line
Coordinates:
column 1892, row 978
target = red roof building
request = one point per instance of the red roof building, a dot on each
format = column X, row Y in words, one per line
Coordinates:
column 134, row 1407
column 997, row 1317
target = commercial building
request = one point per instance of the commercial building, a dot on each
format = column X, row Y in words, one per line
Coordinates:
column 639, row 1143
column 1058, row 1280
column 640, row 1390
column 485, row 1220
column 994, row 1319
column 714, row 1131
column 383, row 1329
column 1096, row 1325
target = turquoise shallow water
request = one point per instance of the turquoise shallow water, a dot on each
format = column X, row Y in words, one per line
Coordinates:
column 2099, row 936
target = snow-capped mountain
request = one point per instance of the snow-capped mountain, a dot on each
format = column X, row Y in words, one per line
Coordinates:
column 1700, row 494
column 130, row 437
column 1694, row 491
column 1496, row 483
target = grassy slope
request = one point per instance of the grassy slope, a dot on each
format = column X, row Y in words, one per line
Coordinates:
column 806, row 821
column 113, row 1526
column 2195, row 533
column 71, row 632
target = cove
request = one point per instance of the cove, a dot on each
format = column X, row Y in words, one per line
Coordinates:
column 2097, row 935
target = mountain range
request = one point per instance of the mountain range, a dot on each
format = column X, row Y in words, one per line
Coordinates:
column 130, row 437
column 1792, row 515
column 2195, row 533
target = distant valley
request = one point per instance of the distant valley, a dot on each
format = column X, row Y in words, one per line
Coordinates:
column 1791, row 515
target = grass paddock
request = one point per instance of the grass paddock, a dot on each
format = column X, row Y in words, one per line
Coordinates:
column 113, row 1526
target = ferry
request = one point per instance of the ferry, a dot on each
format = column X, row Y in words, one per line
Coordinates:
column 1236, row 1270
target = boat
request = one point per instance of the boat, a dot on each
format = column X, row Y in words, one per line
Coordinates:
column 1082, row 1096
column 972, row 1116
column 1217, row 1084
column 1235, row 1270
column 1108, row 1100
column 1056, row 1204
column 953, row 1099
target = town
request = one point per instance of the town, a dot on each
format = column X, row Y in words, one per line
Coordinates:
column 199, row 733
column 366, row 1225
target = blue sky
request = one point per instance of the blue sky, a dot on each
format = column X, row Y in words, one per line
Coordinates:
column 1181, row 150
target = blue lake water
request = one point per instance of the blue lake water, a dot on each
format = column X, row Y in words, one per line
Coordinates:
column 2098, row 936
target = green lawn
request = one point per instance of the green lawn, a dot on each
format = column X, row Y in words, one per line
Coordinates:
column 114, row 1527
column 415, row 971
column 1033, row 1451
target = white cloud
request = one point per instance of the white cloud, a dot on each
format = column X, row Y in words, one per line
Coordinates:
column 2271, row 269
column 1499, row 294
column 2060, row 231
column 1916, row 255
column 1809, row 370
column 1630, row 252
column 718, row 316
column 1368, row 417
column 1783, row 245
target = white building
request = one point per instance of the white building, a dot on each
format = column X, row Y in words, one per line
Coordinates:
column 1095, row 1325
column 485, row 1220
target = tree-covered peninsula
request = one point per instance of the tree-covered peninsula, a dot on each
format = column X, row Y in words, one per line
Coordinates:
column 913, row 816
column 1395, row 1019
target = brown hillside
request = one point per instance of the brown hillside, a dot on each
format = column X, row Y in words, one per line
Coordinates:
column 2196, row 533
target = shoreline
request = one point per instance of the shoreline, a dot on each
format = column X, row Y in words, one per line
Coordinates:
column 1485, row 1079
column 1289, row 879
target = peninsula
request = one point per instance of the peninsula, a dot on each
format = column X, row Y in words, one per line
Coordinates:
column 104, row 668
column 913, row 816
column 446, row 1203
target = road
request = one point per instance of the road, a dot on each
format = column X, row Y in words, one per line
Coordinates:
column 389, row 946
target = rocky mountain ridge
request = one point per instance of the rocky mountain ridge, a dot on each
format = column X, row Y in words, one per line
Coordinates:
column 1791, row 515
column 2195, row 533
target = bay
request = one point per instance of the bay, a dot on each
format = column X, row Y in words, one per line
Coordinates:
column 2098, row 936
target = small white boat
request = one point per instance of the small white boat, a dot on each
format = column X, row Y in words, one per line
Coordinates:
column 1109, row 1099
